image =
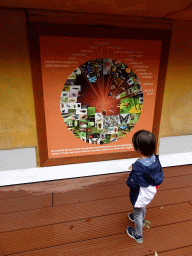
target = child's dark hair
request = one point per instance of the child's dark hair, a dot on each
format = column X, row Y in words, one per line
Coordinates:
column 145, row 142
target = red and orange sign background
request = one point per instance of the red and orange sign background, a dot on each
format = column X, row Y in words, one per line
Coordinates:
column 60, row 56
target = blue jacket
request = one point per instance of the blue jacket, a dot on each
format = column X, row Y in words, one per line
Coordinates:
column 143, row 181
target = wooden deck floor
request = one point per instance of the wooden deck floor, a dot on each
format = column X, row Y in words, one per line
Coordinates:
column 88, row 216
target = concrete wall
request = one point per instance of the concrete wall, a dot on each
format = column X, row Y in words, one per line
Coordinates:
column 17, row 118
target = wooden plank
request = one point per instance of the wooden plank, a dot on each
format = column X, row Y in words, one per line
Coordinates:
column 184, row 251
column 72, row 212
column 53, row 215
column 19, row 204
column 173, row 196
column 70, row 232
column 90, row 194
column 169, row 214
column 160, row 239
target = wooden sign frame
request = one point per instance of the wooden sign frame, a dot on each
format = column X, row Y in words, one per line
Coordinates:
column 47, row 29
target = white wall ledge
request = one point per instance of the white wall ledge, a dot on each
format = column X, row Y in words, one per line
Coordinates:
column 167, row 159
column 31, row 175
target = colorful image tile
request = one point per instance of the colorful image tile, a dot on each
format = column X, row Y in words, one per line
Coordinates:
column 64, row 100
column 115, row 130
column 75, row 88
column 70, row 82
column 73, row 94
column 91, row 111
column 78, row 106
column 99, row 125
column 82, row 134
column 82, row 116
column 68, row 122
column 123, row 118
column 94, row 138
column 63, row 109
column 64, row 94
column 75, row 117
column 113, row 139
column 83, row 138
column 105, row 139
column 98, row 117
column 76, row 123
column 77, row 71
column 90, row 122
column 72, row 111
column 134, row 118
column 66, row 88
column 72, row 76
column 72, row 99
column 83, row 123
column 81, row 111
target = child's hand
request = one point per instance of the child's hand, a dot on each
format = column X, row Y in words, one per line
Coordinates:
column 129, row 168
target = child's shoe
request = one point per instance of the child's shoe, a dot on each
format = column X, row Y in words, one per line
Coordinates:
column 131, row 231
column 131, row 217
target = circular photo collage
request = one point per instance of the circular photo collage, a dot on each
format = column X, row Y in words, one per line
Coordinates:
column 101, row 101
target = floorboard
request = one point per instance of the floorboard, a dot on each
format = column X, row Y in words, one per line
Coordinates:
column 86, row 229
column 155, row 239
column 88, row 216
column 183, row 251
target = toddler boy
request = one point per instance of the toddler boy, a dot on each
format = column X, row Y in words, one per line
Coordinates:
column 145, row 177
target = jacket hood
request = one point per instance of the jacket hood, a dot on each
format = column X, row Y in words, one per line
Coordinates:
column 148, row 175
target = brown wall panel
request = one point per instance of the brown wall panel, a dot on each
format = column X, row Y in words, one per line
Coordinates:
column 176, row 182
column 62, row 185
column 90, row 194
column 25, row 203
column 16, row 191
column 177, row 170
column 116, row 190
